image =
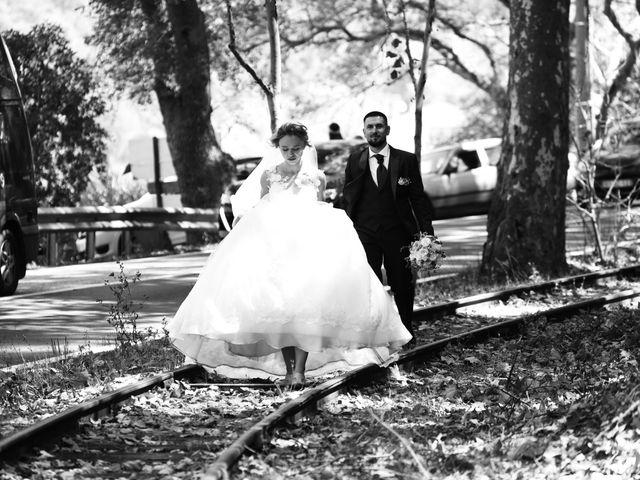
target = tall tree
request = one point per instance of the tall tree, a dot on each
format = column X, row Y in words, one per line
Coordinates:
column 419, row 81
column 63, row 102
column 469, row 48
column 623, row 72
column 526, row 225
column 273, row 87
column 162, row 46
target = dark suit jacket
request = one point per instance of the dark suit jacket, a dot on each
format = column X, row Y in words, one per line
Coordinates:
column 413, row 205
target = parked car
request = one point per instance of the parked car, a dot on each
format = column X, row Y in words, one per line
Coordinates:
column 18, row 203
column 460, row 178
column 617, row 174
column 110, row 243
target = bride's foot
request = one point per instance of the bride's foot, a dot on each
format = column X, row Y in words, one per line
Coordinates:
column 286, row 381
column 298, row 380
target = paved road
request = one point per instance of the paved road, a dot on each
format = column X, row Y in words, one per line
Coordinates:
column 58, row 306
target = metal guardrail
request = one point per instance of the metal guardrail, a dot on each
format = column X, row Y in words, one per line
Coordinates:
column 80, row 219
column 55, row 220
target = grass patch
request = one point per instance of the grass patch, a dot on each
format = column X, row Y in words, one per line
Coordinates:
column 23, row 385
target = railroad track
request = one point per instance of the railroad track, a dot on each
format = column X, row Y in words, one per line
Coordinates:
column 208, row 419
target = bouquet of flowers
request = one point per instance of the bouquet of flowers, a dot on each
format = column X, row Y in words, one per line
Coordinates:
column 425, row 253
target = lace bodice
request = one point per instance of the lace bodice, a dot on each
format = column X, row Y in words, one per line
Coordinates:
column 305, row 184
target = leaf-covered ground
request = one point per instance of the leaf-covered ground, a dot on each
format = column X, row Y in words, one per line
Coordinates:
column 556, row 401
column 171, row 432
column 30, row 394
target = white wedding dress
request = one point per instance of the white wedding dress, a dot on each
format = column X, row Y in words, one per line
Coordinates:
column 292, row 272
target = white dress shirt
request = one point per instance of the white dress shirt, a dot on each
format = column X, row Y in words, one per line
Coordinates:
column 373, row 162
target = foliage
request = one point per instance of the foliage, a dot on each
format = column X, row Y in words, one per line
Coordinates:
column 63, row 103
column 469, row 39
column 126, row 50
column 124, row 313
column 555, row 394
column 31, row 388
column 163, row 48
column 109, row 189
column 623, row 127
column 555, row 397
column 128, row 45
column 484, row 120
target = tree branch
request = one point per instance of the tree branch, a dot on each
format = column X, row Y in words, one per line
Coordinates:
column 623, row 73
column 426, row 40
column 458, row 32
column 610, row 14
column 335, row 31
column 406, row 443
column 405, row 27
column 232, row 46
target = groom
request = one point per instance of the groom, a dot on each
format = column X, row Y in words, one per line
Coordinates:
column 384, row 197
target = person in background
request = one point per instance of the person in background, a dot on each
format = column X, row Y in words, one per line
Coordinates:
column 334, row 132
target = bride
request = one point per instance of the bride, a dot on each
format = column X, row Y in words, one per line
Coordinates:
column 289, row 290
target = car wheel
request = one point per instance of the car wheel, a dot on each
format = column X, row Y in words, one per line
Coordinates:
column 8, row 263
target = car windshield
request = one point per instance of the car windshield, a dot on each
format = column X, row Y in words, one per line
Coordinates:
column 469, row 159
column 8, row 87
column 435, row 161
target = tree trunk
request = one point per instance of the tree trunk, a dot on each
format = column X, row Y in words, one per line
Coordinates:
column 526, row 224
column 182, row 88
column 421, row 82
column 625, row 70
column 275, row 75
column 582, row 78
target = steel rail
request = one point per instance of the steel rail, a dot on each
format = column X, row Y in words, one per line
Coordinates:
column 552, row 314
column 426, row 313
column 255, row 436
column 56, row 423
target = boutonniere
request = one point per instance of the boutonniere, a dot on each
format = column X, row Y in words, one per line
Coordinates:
column 404, row 181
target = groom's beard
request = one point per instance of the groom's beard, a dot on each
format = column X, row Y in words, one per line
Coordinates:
column 377, row 143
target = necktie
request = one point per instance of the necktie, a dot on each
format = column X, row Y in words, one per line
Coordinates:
column 381, row 172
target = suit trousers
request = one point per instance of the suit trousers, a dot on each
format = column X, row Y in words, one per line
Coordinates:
column 390, row 247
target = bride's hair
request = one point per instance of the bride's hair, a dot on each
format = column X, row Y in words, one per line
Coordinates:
column 290, row 128
column 249, row 193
